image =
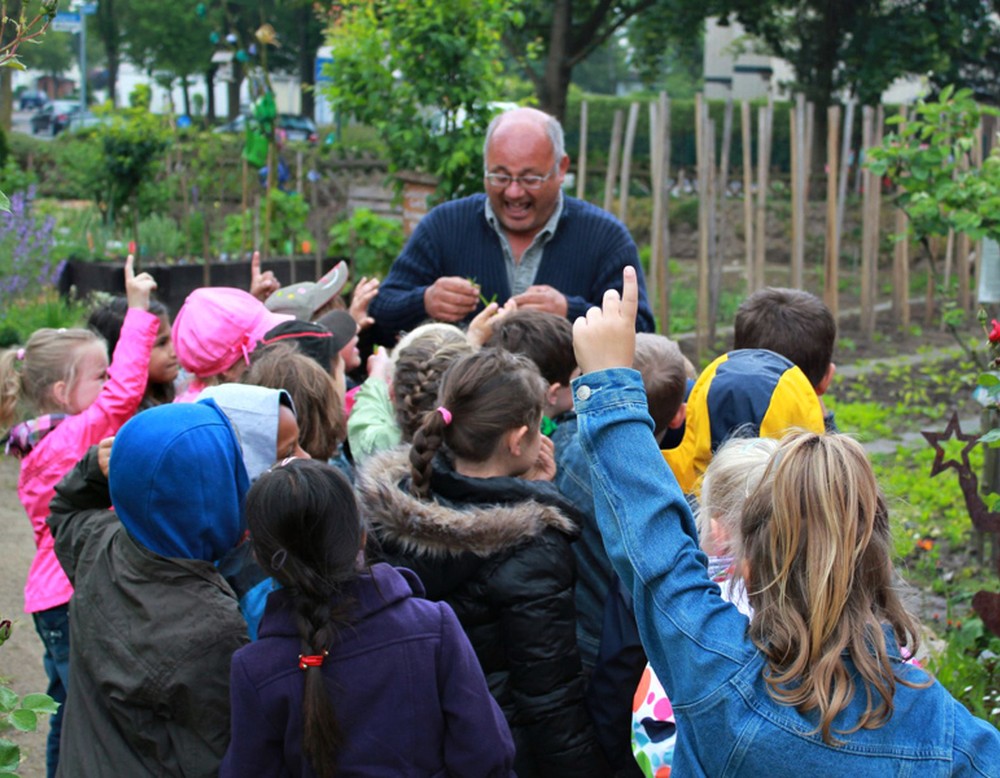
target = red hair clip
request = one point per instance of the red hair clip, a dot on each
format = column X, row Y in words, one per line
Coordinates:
column 312, row 661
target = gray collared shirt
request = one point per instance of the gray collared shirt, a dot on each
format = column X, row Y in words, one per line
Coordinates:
column 522, row 274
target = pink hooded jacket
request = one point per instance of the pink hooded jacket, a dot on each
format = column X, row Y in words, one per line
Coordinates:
column 57, row 453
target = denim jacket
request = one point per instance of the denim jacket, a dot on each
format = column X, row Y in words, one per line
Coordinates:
column 728, row 725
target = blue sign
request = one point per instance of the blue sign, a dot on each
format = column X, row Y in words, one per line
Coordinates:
column 319, row 76
column 66, row 21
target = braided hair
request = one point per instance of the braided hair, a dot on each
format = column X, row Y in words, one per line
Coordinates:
column 419, row 365
column 306, row 532
column 486, row 395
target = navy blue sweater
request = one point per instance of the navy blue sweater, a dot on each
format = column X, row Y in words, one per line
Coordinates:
column 582, row 260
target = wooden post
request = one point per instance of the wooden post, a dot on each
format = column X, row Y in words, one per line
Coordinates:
column 798, row 120
column 764, row 116
column 704, row 200
column 663, row 280
column 868, row 227
column 633, row 121
column 655, row 183
column 298, row 173
column 581, row 163
column 845, row 165
column 246, row 206
column 613, row 156
column 978, row 260
column 876, row 236
column 831, row 274
column 807, row 150
column 901, row 257
column 720, row 223
column 747, row 191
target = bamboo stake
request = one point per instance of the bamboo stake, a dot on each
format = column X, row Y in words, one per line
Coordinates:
column 701, row 136
column 663, row 281
column 831, row 275
column 581, row 165
column 798, row 120
column 745, row 131
column 867, row 293
column 807, row 153
column 876, row 235
column 655, row 184
column 633, row 121
column 763, row 168
column 719, row 220
column 613, row 157
column 845, row 165
column 978, row 258
column 901, row 258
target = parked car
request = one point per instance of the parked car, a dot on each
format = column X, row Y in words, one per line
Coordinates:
column 53, row 117
column 82, row 120
column 30, row 99
column 297, row 128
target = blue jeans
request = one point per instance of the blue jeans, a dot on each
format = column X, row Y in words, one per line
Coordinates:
column 53, row 628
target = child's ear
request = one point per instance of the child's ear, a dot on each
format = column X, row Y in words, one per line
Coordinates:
column 60, row 393
column 515, row 440
column 552, row 393
column 679, row 417
column 824, row 383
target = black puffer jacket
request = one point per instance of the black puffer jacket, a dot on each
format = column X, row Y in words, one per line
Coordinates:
column 498, row 551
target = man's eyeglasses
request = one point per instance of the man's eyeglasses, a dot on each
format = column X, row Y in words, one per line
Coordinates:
column 503, row 180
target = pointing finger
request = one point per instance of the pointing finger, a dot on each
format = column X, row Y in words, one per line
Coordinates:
column 630, row 294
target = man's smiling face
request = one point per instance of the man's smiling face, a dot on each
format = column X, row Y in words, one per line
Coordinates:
column 521, row 147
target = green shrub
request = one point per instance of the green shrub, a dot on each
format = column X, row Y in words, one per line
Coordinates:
column 371, row 242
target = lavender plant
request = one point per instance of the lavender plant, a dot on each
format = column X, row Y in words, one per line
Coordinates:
column 26, row 242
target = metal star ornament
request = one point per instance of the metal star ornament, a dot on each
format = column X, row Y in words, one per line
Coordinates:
column 938, row 440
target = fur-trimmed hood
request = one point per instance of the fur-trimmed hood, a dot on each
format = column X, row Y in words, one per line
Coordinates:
column 521, row 510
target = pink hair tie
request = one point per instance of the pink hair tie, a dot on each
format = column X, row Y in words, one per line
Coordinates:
column 445, row 414
column 245, row 348
column 20, row 355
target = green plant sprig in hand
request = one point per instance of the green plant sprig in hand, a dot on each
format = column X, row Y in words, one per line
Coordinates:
column 482, row 298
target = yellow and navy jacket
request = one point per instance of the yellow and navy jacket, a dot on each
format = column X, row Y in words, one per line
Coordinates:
column 754, row 392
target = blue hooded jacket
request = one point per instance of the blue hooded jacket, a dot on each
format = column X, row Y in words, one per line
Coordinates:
column 186, row 501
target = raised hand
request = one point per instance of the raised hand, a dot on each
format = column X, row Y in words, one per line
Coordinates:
column 364, row 292
column 262, row 285
column 138, row 288
column 605, row 337
column 481, row 327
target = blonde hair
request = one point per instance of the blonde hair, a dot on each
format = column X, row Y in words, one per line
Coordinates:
column 817, row 542
column 48, row 357
column 418, row 364
column 734, row 472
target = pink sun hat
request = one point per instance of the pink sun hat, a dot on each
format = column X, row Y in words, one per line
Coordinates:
column 218, row 325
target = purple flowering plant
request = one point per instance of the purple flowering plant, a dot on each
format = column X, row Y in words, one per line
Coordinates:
column 27, row 267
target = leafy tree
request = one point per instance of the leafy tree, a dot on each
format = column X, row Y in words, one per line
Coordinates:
column 399, row 63
column 110, row 21
column 558, row 35
column 928, row 159
column 53, row 55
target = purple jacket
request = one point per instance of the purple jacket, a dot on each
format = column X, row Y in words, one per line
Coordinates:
column 406, row 686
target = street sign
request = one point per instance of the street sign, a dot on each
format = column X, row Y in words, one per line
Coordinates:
column 66, row 21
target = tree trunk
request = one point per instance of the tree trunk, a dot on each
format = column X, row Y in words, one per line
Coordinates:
column 6, row 100
column 210, row 95
column 555, row 83
column 107, row 28
column 307, row 61
column 186, row 90
column 233, row 91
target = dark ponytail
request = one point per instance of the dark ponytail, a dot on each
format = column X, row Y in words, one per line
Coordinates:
column 306, row 533
column 484, row 395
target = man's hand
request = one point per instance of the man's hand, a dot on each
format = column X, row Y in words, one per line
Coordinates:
column 364, row 292
column 605, row 337
column 451, row 298
column 262, row 285
column 137, row 287
column 543, row 298
column 481, row 327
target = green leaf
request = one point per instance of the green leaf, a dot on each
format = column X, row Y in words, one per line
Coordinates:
column 4, row 203
column 8, row 699
column 988, row 379
column 993, row 436
column 24, row 720
column 10, row 756
column 40, row 703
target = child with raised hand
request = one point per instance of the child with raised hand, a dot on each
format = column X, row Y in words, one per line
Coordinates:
column 472, row 510
column 107, row 321
column 816, row 685
column 345, row 649
column 64, row 375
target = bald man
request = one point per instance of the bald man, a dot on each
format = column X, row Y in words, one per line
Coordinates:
column 523, row 239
